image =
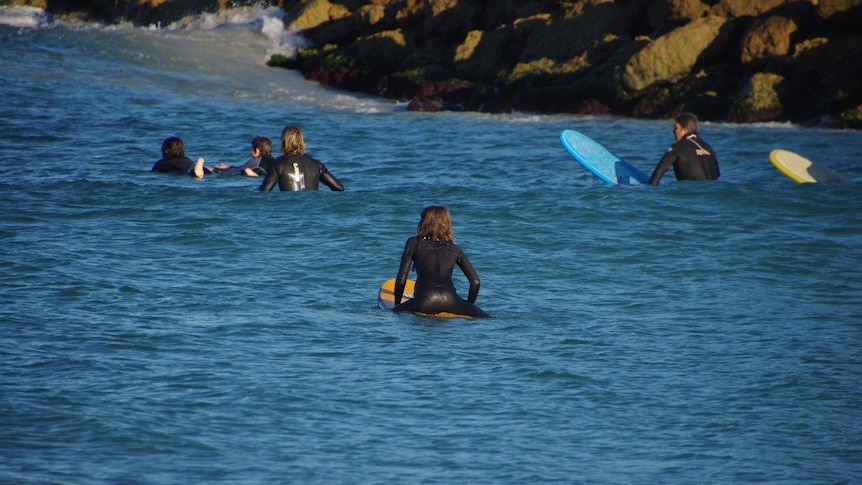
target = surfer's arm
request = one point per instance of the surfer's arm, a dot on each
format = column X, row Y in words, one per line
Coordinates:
column 717, row 168
column 472, row 277
column 404, row 268
column 250, row 164
column 660, row 169
column 270, row 180
column 330, row 181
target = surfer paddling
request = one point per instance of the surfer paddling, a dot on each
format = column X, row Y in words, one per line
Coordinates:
column 174, row 160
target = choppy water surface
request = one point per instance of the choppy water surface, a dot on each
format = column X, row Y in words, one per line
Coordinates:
column 159, row 329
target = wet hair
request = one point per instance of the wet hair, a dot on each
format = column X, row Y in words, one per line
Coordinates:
column 292, row 142
column 436, row 224
column 263, row 144
column 173, row 147
column 688, row 121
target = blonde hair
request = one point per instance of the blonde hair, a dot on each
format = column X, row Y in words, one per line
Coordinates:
column 436, row 224
column 292, row 142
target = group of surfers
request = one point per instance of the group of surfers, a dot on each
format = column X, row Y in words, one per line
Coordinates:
column 432, row 252
column 294, row 170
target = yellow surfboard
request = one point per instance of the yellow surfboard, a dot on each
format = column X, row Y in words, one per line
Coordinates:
column 802, row 169
column 386, row 298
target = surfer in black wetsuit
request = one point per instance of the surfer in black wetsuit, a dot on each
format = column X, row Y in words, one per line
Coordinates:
column 434, row 254
column 174, row 160
column 691, row 157
column 261, row 147
column 295, row 170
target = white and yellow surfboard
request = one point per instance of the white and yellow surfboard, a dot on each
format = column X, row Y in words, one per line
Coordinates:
column 801, row 169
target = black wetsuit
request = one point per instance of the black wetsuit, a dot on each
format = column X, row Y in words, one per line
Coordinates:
column 297, row 172
column 178, row 165
column 691, row 158
column 265, row 165
column 434, row 292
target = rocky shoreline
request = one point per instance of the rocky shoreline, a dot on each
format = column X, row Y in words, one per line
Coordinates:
column 737, row 61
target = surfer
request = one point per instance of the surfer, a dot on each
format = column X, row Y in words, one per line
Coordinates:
column 691, row 157
column 174, row 160
column 294, row 169
column 261, row 147
column 433, row 254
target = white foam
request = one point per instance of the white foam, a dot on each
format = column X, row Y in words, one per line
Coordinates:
column 25, row 17
column 222, row 53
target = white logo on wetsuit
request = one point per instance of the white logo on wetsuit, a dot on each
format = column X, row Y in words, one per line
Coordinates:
column 297, row 178
column 699, row 151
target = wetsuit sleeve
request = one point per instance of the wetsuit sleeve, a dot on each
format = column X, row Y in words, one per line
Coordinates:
column 471, row 275
column 404, row 268
column 270, row 180
column 251, row 163
column 666, row 162
column 265, row 164
column 717, row 168
column 329, row 180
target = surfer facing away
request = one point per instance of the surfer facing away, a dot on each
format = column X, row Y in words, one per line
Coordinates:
column 295, row 170
column 691, row 157
column 174, row 160
column 433, row 254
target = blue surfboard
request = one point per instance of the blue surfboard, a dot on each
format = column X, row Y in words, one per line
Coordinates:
column 598, row 160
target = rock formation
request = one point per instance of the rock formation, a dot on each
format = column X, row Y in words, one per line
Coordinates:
column 729, row 60
column 732, row 60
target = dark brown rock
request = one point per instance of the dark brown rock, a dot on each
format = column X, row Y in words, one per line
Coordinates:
column 758, row 101
column 768, row 37
column 737, row 60
column 673, row 55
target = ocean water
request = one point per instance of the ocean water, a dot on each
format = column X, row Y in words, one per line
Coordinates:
column 160, row 329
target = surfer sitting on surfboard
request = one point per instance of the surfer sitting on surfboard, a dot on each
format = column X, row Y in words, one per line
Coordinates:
column 691, row 157
column 434, row 254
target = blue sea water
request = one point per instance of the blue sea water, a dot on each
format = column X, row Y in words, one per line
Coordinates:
column 160, row 329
